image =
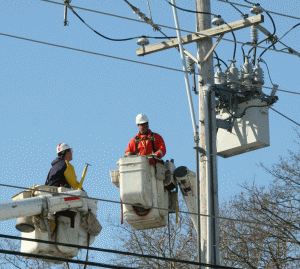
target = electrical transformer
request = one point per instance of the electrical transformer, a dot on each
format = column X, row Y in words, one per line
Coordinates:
column 249, row 128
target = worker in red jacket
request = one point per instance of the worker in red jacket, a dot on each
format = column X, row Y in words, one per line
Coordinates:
column 146, row 142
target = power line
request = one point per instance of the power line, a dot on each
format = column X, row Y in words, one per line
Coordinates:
column 191, row 11
column 118, row 58
column 173, row 28
column 38, row 256
column 153, row 207
column 285, row 116
column 111, row 251
column 276, row 13
column 91, row 52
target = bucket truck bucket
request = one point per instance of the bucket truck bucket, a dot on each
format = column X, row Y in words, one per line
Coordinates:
column 142, row 191
column 62, row 218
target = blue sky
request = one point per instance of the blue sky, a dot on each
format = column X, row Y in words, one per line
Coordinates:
column 52, row 95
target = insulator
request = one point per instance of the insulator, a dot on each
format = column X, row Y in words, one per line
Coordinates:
column 274, row 90
column 143, row 41
column 258, row 76
column 136, row 10
column 190, row 64
column 141, row 15
column 218, row 21
column 256, row 9
column 247, row 74
column 254, row 33
column 232, row 75
column 220, row 77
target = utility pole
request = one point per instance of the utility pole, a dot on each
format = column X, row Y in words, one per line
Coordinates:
column 208, row 169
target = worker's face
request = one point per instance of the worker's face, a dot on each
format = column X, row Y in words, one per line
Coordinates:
column 144, row 127
column 69, row 155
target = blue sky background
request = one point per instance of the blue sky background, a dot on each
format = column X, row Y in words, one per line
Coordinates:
column 51, row 95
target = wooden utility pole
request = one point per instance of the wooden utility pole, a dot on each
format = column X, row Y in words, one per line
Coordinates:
column 208, row 169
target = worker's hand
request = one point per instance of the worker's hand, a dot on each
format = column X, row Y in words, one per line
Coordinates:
column 128, row 154
column 154, row 156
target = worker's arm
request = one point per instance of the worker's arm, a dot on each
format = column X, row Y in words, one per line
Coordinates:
column 71, row 176
column 160, row 146
column 131, row 147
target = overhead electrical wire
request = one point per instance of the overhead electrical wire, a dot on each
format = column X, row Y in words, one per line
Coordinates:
column 263, row 61
column 117, row 58
column 108, row 38
column 153, row 207
column 285, row 116
column 273, row 12
column 111, row 251
column 191, row 11
column 39, row 256
column 295, row 26
column 169, row 27
column 236, row 9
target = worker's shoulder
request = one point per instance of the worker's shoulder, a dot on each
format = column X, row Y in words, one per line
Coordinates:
column 59, row 164
column 156, row 135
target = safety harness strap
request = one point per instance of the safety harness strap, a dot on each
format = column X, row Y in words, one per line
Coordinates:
column 137, row 140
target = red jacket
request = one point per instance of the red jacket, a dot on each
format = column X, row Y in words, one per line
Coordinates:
column 145, row 145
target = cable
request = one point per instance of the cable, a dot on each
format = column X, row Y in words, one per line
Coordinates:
column 108, row 38
column 276, row 13
column 91, row 52
column 234, row 38
column 191, row 11
column 268, row 71
column 249, row 2
column 118, row 58
column 168, row 27
column 113, row 39
column 218, row 59
column 38, row 256
column 285, row 116
column 236, row 9
column 110, row 251
column 295, row 26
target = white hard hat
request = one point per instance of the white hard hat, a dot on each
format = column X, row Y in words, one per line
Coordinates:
column 141, row 118
column 61, row 147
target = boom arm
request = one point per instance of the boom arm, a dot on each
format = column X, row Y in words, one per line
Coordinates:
column 38, row 205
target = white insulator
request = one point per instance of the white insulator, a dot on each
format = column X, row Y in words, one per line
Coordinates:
column 220, row 77
column 254, row 33
column 217, row 21
column 256, row 9
column 143, row 41
column 258, row 76
column 247, row 74
column 232, row 75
